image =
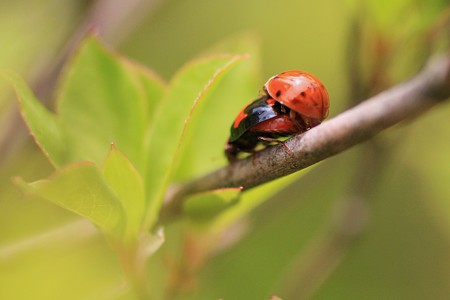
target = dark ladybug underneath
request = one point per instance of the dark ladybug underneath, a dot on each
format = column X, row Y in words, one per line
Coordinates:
column 262, row 121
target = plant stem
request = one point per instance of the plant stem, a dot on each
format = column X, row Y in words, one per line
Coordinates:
column 133, row 266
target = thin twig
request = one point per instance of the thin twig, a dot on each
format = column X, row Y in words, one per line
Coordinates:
column 354, row 126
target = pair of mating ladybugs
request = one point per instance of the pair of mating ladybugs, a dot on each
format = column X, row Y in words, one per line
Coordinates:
column 293, row 102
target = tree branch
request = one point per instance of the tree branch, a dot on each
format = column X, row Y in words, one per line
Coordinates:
column 356, row 125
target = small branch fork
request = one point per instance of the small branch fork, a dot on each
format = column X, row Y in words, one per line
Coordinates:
column 356, row 125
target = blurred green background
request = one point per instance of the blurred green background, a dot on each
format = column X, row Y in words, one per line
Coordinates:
column 372, row 223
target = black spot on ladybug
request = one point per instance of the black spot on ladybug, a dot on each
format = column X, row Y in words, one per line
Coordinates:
column 303, row 94
column 278, row 93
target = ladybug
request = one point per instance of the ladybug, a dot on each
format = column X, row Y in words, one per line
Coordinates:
column 302, row 93
column 293, row 102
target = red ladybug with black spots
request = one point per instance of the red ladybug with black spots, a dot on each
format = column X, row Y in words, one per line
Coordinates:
column 294, row 102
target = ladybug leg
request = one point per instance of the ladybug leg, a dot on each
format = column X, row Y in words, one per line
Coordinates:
column 273, row 140
column 268, row 140
column 231, row 152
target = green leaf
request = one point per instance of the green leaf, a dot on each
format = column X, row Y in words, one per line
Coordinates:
column 82, row 190
column 201, row 149
column 187, row 88
column 202, row 208
column 104, row 99
column 127, row 184
column 45, row 127
column 152, row 87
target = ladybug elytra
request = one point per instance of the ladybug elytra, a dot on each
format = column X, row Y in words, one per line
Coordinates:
column 294, row 102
